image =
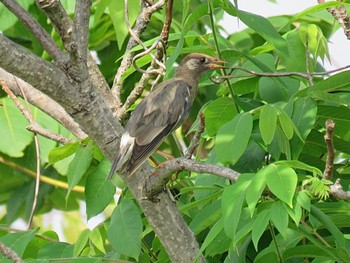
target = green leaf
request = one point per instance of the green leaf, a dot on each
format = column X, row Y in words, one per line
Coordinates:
column 99, row 191
column 79, row 165
column 116, row 12
column 259, row 226
column 18, row 241
column 279, row 217
column 255, row 190
column 213, row 233
column 15, row 137
column 286, row 124
column 206, row 217
column 125, row 230
column 267, row 123
column 63, row 152
column 263, row 27
column 96, row 239
column 232, row 138
column 304, row 200
column 81, row 242
column 330, row 226
column 217, row 113
column 232, row 202
column 300, row 165
column 282, row 181
column 8, row 19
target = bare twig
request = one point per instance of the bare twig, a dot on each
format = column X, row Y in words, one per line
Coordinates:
column 307, row 60
column 44, row 38
column 165, row 171
column 43, row 178
column 10, row 254
column 220, row 79
column 34, row 127
column 37, row 150
column 43, row 102
column 340, row 14
column 328, row 138
column 197, row 136
column 154, row 68
column 147, row 9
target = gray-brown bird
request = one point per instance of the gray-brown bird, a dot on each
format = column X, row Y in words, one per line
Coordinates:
column 164, row 109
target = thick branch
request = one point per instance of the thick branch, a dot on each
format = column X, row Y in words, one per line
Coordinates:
column 338, row 192
column 44, row 38
column 64, row 27
column 81, row 27
column 328, row 138
column 43, row 102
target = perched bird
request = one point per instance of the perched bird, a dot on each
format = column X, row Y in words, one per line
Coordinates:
column 164, row 109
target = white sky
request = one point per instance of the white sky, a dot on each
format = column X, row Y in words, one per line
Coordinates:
column 338, row 46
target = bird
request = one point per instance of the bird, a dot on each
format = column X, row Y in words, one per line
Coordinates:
column 162, row 111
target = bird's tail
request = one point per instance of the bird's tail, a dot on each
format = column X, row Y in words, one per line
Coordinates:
column 114, row 167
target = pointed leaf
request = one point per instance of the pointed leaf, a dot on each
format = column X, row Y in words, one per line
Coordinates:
column 259, row 226
column 232, row 138
column 279, row 217
column 125, row 230
column 217, row 113
column 99, row 191
column 267, row 123
column 255, row 190
column 79, row 165
column 282, row 181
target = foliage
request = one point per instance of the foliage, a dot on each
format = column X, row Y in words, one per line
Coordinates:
column 270, row 129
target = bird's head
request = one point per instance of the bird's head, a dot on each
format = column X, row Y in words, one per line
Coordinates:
column 195, row 64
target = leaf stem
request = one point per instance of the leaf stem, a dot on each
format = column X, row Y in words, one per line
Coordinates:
column 273, row 235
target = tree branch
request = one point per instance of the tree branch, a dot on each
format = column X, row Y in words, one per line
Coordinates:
column 328, row 138
column 29, row 22
column 42, row 102
column 10, row 254
column 340, row 14
column 34, row 126
column 338, row 192
column 156, row 183
column 64, row 27
column 81, row 27
column 147, row 9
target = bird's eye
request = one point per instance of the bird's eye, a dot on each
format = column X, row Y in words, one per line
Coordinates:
column 202, row 60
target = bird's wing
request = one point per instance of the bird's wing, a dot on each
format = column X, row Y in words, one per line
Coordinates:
column 167, row 106
column 158, row 115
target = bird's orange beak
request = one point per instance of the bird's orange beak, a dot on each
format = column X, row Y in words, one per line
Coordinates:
column 216, row 63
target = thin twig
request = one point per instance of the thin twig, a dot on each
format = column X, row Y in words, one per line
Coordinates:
column 147, row 9
column 152, row 69
column 328, row 138
column 307, row 60
column 43, row 178
column 39, row 33
column 314, row 232
column 197, row 136
column 34, row 127
column 37, row 151
column 10, row 254
column 11, row 229
column 211, row 16
column 220, row 79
